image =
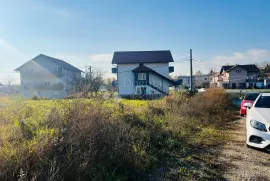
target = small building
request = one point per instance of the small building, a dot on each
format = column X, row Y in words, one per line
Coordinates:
column 202, row 81
column 237, row 76
column 185, row 80
column 45, row 76
column 199, row 81
column 143, row 73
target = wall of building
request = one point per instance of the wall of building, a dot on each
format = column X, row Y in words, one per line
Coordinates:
column 125, row 79
column 201, row 80
column 126, row 82
column 237, row 76
column 161, row 68
column 159, row 82
column 34, row 76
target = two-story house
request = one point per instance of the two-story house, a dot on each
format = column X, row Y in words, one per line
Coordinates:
column 143, row 73
column 46, row 76
column 237, row 76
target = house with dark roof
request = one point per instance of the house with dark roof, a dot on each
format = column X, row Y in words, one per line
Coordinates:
column 238, row 76
column 45, row 76
column 143, row 73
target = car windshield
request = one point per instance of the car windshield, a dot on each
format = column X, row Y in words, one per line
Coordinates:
column 263, row 102
column 251, row 96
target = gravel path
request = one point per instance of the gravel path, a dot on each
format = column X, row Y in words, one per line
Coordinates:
column 240, row 162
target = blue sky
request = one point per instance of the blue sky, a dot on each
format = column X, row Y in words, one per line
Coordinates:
column 87, row 32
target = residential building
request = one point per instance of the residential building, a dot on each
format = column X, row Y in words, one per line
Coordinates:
column 237, row 76
column 185, row 80
column 198, row 80
column 46, row 76
column 143, row 73
column 202, row 81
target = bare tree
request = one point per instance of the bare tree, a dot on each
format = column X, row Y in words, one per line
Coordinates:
column 91, row 82
column 262, row 64
column 108, row 82
column 9, row 82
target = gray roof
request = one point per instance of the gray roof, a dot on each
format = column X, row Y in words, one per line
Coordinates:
column 249, row 68
column 128, row 57
column 61, row 63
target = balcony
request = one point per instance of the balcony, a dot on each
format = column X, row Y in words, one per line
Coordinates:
column 43, row 86
column 42, row 74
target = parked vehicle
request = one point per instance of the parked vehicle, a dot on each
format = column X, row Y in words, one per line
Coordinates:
column 258, row 122
column 201, row 90
column 249, row 98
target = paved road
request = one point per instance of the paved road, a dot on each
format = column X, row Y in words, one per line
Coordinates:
column 240, row 162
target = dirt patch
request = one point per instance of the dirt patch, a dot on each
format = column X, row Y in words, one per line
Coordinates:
column 240, row 162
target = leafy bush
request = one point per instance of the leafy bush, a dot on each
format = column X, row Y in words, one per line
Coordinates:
column 89, row 140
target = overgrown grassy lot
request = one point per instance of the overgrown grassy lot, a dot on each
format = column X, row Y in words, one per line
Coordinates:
column 84, row 139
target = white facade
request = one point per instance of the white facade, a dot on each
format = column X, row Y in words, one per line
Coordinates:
column 127, row 85
column 45, row 79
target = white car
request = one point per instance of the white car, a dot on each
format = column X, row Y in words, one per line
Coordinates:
column 201, row 90
column 258, row 122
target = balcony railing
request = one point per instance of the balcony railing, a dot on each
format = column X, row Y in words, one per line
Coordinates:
column 40, row 86
column 42, row 74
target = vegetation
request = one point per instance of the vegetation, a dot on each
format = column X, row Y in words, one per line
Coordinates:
column 84, row 139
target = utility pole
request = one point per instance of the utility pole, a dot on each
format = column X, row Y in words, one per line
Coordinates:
column 191, row 72
column 90, row 73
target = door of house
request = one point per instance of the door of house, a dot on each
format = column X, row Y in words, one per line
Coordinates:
column 233, row 85
column 143, row 90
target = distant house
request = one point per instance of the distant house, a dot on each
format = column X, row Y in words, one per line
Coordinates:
column 143, row 73
column 237, row 76
column 46, row 76
column 198, row 80
column 6, row 90
column 202, row 81
column 185, row 80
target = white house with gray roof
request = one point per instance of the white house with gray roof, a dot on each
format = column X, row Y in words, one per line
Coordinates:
column 143, row 73
column 46, row 76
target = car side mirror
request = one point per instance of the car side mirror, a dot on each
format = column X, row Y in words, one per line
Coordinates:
column 248, row 105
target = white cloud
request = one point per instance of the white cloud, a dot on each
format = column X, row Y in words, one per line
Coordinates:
column 106, row 58
column 249, row 57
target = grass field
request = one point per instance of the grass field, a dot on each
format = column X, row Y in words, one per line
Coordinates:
column 115, row 139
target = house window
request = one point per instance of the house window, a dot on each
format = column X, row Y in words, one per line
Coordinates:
column 142, row 76
column 138, row 91
column 47, row 84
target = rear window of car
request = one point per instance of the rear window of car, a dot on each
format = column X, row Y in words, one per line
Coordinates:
column 251, row 96
column 263, row 102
